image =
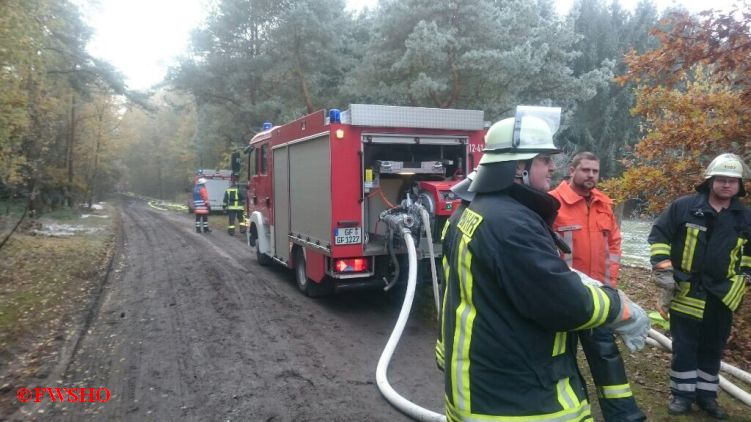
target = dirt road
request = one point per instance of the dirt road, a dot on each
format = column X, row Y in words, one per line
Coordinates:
column 190, row 327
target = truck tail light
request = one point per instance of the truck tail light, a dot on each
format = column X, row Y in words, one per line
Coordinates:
column 351, row 265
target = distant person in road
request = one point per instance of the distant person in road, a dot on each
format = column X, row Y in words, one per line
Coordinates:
column 701, row 254
column 201, row 207
column 586, row 223
column 511, row 300
column 234, row 205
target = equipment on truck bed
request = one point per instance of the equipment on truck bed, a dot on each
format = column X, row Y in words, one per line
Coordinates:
column 318, row 186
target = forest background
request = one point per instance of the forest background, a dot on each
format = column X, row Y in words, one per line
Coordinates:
column 655, row 96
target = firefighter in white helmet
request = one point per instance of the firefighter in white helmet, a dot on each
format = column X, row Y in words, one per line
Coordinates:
column 701, row 257
column 201, row 207
column 510, row 299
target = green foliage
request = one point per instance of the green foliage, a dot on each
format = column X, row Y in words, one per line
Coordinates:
column 50, row 90
column 603, row 124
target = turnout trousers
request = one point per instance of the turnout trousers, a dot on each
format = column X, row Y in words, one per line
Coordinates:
column 202, row 221
column 609, row 374
column 697, row 350
column 233, row 215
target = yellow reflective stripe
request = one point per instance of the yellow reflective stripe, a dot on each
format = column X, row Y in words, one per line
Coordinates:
column 439, row 357
column 559, row 344
column 465, row 317
column 659, row 249
column 445, row 229
column 676, row 306
column 601, row 304
column 566, row 396
column 745, row 261
column 619, row 391
column 582, row 412
column 734, row 257
column 733, row 298
column 446, row 269
column 692, row 233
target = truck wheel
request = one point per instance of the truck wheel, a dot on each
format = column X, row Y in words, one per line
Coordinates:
column 306, row 285
column 263, row 259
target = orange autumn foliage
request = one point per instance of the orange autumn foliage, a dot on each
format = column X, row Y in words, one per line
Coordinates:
column 694, row 96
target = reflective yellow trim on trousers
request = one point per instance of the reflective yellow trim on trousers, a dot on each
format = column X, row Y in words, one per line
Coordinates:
column 619, row 391
column 601, row 303
column 689, row 248
column 746, row 261
column 659, row 249
column 737, row 289
column 559, row 344
column 580, row 413
column 465, row 318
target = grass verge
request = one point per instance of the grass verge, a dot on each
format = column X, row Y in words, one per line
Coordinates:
column 50, row 270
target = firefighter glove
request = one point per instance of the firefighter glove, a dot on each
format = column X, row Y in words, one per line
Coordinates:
column 632, row 324
column 587, row 280
column 663, row 278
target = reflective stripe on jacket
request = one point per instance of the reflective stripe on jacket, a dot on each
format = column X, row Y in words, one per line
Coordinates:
column 710, row 251
column 509, row 305
column 200, row 200
column 591, row 232
column 232, row 199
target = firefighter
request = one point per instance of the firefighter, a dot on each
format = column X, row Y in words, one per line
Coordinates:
column 461, row 190
column 701, row 255
column 511, row 300
column 586, row 223
column 201, row 207
column 234, row 205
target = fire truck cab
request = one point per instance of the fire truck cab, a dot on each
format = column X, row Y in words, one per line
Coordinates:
column 318, row 185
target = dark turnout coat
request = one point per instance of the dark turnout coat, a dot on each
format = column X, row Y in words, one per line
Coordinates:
column 509, row 306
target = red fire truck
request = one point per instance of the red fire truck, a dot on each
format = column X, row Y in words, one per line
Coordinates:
column 319, row 185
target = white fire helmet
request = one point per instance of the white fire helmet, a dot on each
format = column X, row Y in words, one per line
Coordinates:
column 728, row 165
column 201, row 181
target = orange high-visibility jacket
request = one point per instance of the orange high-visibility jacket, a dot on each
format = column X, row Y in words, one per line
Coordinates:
column 591, row 232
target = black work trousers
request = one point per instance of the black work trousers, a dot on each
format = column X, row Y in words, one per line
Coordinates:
column 233, row 215
column 609, row 375
column 697, row 350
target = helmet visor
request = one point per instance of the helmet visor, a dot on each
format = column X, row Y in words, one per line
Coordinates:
column 531, row 133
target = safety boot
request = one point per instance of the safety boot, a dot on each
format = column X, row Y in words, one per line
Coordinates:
column 712, row 408
column 679, row 406
column 231, row 232
column 206, row 230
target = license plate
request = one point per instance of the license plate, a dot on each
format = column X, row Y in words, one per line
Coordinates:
column 347, row 236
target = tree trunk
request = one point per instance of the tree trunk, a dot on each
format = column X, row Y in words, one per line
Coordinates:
column 69, row 152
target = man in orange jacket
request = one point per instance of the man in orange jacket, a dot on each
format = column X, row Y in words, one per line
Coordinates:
column 586, row 223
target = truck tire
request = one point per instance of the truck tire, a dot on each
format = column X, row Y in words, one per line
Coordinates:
column 307, row 286
column 263, row 259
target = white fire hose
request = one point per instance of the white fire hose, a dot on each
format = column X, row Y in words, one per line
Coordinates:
column 405, row 406
column 659, row 340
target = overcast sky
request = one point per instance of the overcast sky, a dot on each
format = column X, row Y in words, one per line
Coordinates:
column 143, row 37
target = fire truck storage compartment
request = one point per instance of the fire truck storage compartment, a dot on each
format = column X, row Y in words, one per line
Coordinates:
column 395, row 167
column 302, row 190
